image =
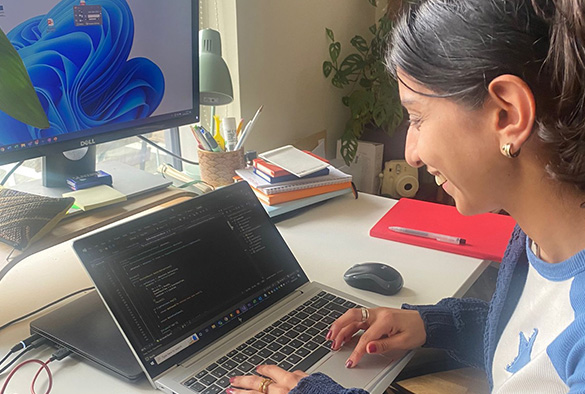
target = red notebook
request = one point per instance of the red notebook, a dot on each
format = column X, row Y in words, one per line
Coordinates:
column 486, row 235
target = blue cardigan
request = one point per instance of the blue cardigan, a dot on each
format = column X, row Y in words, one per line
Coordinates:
column 468, row 329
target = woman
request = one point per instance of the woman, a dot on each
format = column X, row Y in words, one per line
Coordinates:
column 495, row 90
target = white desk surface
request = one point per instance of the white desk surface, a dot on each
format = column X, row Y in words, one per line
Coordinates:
column 326, row 239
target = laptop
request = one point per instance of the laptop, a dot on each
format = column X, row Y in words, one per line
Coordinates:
column 208, row 289
column 84, row 326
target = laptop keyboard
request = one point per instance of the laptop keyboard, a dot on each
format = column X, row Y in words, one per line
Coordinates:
column 295, row 342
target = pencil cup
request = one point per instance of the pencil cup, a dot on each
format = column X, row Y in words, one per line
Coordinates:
column 219, row 168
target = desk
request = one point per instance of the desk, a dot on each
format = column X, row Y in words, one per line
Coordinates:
column 326, row 239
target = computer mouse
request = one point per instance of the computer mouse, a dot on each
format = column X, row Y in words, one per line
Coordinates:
column 377, row 277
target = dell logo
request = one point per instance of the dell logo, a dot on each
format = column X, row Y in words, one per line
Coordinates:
column 87, row 142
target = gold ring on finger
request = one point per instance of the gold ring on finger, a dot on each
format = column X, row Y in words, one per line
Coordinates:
column 365, row 314
column 264, row 385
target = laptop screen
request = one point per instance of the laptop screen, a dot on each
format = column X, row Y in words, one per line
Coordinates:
column 178, row 279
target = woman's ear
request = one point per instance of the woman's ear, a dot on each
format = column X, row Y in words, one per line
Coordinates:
column 514, row 110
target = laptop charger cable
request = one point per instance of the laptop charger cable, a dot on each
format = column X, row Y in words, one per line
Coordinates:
column 58, row 355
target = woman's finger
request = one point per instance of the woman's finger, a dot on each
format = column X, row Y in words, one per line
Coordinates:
column 280, row 376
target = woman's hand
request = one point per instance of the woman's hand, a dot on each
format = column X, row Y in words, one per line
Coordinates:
column 277, row 381
column 385, row 329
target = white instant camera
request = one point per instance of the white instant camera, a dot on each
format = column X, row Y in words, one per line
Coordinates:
column 399, row 179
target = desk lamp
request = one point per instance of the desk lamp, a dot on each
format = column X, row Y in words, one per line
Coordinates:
column 214, row 76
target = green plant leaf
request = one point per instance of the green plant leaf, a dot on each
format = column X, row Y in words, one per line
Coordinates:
column 17, row 94
column 374, row 2
column 349, row 144
column 366, row 83
column 327, row 68
column 351, row 63
column 373, row 29
column 380, row 114
column 334, row 51
column 360, row 44
column 330, row 34
column 338, row 80
column 361, row 103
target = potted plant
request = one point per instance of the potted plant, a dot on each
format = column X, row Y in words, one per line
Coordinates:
column 18, row 97
column 373, row 99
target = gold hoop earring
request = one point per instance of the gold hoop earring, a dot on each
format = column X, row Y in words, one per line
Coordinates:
column 506, row 149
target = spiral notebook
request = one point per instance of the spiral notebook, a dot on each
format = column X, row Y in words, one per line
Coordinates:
column 486, row 235
column 335, row 176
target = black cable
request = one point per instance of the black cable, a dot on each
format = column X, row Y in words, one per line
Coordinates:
column 6, row 357
column 9, row 173
column 20, row 345
column 24, row 343
column 35, row 344
column 43, row 308
column 168, row 152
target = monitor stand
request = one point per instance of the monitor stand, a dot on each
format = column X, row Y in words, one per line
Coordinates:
column 128, row 180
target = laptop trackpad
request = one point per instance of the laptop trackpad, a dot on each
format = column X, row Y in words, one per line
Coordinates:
column 367, row 370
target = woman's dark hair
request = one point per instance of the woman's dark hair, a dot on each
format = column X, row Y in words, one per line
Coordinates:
column 456, row 47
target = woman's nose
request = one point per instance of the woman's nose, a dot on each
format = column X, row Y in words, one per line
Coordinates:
column 411, row 150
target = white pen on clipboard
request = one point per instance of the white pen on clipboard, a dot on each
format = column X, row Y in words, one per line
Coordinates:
column 425, row 234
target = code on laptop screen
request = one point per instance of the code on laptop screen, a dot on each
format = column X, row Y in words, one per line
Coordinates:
column 178, row 279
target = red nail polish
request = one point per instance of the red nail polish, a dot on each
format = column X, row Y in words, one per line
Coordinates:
column 372, row 348
column 328, row 336
column 348, row 364
column 333, row 345
column 232, row 379
column 229, row 391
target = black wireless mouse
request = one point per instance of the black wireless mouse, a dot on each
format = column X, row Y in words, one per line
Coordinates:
column 377, row 277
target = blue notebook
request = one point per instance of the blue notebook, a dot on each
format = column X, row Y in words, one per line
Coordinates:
column 289, row 177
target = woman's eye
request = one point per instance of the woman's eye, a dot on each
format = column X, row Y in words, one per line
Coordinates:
column 414, row 122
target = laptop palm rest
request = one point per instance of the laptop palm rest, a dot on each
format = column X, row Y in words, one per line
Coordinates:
column 361, row 375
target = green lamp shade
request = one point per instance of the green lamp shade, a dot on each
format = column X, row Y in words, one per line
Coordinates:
column 215, row 83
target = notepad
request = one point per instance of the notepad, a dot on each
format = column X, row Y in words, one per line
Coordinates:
column 294, row 160
column 486, row 235
column 96, row 197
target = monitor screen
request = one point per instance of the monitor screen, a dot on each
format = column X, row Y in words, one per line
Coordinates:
column 102, row 69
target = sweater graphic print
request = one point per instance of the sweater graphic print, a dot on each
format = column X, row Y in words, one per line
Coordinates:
column 542, row 349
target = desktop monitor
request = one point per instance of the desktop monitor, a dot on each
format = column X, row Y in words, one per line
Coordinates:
column 103, row 70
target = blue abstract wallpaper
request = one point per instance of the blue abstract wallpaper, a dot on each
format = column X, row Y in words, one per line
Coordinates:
column 82, row 74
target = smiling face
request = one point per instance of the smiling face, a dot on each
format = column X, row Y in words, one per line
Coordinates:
column 459, row 146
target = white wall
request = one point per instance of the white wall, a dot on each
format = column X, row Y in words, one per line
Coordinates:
column 275, row 50
column 281, row 46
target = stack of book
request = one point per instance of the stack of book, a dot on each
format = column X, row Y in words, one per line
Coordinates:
column 281, row 191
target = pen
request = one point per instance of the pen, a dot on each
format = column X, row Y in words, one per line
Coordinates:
column 200, row 140
column 439, row 237
column 239, row 129
column 210, row 140
column 248, row 129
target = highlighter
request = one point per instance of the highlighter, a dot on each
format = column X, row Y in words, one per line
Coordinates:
column 217, row 135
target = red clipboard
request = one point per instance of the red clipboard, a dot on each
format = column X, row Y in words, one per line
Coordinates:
column 486, row 235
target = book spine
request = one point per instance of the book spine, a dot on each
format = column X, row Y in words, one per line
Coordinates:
column 279, row 198
column 270, row 169
column 276, row 189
